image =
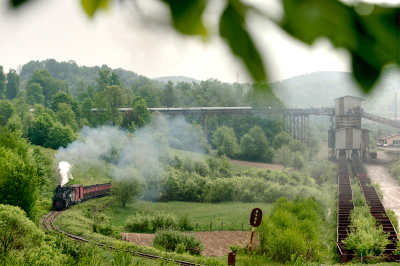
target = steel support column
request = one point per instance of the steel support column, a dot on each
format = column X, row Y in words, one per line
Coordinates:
column 205, row 126
column 302, row 129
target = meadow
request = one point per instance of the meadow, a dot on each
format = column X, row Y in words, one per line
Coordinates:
column 202, row 214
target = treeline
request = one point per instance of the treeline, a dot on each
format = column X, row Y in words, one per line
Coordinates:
column 64, row 94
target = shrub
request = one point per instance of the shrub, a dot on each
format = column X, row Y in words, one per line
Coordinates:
column 184, row 223
column 393, row 218
column 365, row 236
column 162, row 220
column 169, row 240
column 292, row 230
column 298, row 161
column 139, row 223
column 106, row 229
column 201, row 167
column 180, row 248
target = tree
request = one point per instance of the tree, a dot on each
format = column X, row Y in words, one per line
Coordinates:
column 86, row 109
column 59, row 136
column 281, row 139
column 66, row 116
column 284, row 156
column 114, row 79
column 102, row 114
column 6, row 111
column 18, row 181
column 298, row 160
column 49, row 84
column 14, row 123
column 12, row 86
column 150, row 93
column 261, row 96
column 297, row 145
column 260, row 141
column 103, row 80
column 143, row 114
column 16, row 230
column 125, row 190
column 80, row 89
column 34, row 94
column 114, row 98
column 2, row 83
column 168, row 96
column 248, row 146
column 224, row 139
column 38, row 133
column 62, row 97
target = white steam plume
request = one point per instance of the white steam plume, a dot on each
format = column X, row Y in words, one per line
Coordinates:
column 64, row 174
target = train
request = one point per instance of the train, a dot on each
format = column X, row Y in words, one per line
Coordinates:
column 65, row 196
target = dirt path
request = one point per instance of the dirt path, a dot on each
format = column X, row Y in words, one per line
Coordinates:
column 259, row 165
column 391, row 191
column 215, row 243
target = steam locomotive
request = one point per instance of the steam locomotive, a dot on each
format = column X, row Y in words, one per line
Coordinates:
column 65, row 196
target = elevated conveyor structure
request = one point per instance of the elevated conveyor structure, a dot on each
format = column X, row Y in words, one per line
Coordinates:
column 381, row 120
column 377, row 209
column 345, row 205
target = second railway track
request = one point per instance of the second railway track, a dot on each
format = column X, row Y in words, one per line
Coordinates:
column 49, row 224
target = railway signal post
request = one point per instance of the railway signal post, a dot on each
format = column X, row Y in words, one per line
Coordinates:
column 255, row 221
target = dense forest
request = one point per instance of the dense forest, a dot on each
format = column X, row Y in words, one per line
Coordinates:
column 62, row 95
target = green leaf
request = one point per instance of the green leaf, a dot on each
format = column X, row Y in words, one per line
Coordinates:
column 186, row 16
column 365, row 74
column 91, row 6
column 16, row 3
column 372, row 40
column 232, row 29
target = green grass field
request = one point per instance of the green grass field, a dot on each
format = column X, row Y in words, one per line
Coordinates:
column 201, row 213
column 191, row 155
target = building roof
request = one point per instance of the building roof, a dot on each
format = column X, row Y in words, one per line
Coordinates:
column 351, row 97
column 389, row 136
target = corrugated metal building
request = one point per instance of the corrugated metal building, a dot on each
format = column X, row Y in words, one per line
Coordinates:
column 347, row 112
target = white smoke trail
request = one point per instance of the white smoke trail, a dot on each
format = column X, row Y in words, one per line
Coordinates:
column 64, row 174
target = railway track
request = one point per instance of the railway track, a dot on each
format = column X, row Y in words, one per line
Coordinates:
column 49, row 224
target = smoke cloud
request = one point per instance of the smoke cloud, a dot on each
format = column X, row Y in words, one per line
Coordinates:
column 142, row 156
column 64, row 173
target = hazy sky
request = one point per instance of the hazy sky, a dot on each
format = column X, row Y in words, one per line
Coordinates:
column 123, row 37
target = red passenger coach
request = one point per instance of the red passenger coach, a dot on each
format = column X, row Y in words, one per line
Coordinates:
column 96, row 190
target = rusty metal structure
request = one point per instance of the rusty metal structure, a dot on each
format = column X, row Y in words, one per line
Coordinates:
column 295, row 121
column 345, row 205
column 377, row 209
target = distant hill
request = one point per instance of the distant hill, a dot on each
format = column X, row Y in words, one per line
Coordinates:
column 176, row 79
column 321, row 88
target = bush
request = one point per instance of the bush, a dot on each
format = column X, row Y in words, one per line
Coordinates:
column 180, row 248
column 162, row 220
column 393, row 218
column 184, row 223
column 139, row 223
column 293, row 230
column 169, row 240
column 365, row 236
column 298, row 161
